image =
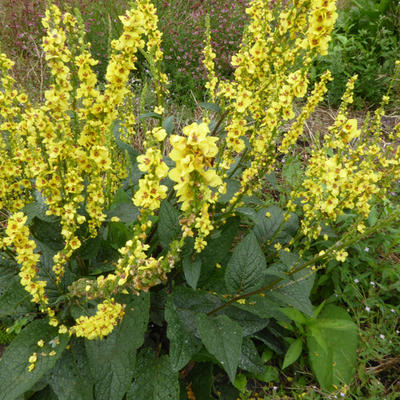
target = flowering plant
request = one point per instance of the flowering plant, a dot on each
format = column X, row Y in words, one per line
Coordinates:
column 112, row 246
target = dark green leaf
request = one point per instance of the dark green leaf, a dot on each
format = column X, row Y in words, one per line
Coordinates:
column 293, row 353
column 222, row 337
column 45, row 394
column 246, row 268
column 182, row 342
column 123, row 208
column 188, row 303
column 249, row 358
column 15, row 299
column 168, row 227
column 154, row 378
column 267, row 226
column 250, row 322
column 192, row 270
column 70, row 378
column 232, row 186
column 38, row 209
column 296, row 292
column 335, row 363
column 202, row 379
column 15, row 379
column 218, row 248
column 117, row 234
column 112, row 359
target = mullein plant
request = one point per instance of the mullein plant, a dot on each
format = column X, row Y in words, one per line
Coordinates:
column 72, row 156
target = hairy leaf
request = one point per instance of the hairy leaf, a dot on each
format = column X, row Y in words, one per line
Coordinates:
column 246, row 268
column 112, row 359
column 222, row 337
column 15, row 379
column 154, row 378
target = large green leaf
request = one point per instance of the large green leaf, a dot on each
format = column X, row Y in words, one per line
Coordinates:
column 192, row 269
column 246, row 268
column 70, row 378
column 202, row 379
column 250, row 322
column 15, row 379
column 188, row 303
column 15, row 299
column 249, row 358
column 334, row 363
column 274, row 227
column 123, row 208
column 182, row 342
column 112, row 359
column 267, row 226
column 168, row 227
column 294, row 290
column 154, row 378
column 218, row 248
column 222, row 337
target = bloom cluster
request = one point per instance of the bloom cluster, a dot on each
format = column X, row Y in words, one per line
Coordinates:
column 194, row 177
column 102, row 323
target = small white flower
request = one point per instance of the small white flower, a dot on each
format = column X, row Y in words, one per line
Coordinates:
column 382, row 336
column 392, row 310
column 366, row 249
column 372, row 283
column 356, row 280
column 367, row 309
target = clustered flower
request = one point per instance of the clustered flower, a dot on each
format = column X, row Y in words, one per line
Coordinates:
column 194, row 176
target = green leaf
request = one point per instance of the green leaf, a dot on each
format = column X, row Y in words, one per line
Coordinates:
column 334, row 364
column 250, row 322
column 15, row 299
column 294, row 315
column 270, row 374
column 295, row 292
column 154, row 378
column 232, row 186
column 112, row 359
column 192, row 270
column 38, row 210
column 222, row 337
column 117, row 234
column 150, row 115
column 267, row 226
column 168, row 227
column 210, row 106
column 123, row 208
column 246, row 268
column 45, row 394
column 249, row 358
column 169, row 124
column 188, row 303
column 15, row 379
column 202, row 379
column 218, row 248
column 182, row 342
column 70, row 378
column 293, row 353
